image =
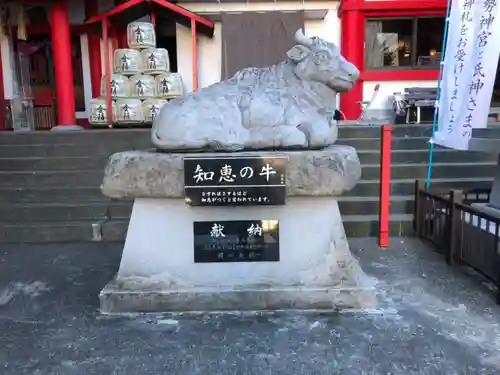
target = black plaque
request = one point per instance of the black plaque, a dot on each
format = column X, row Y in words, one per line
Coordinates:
column 230, row 181
column 236, row 241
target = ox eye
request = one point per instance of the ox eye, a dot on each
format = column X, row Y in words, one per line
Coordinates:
column 320, row 58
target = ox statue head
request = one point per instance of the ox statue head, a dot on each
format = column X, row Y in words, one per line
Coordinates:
column 321, row 61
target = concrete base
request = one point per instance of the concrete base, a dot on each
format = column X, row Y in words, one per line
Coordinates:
column 158, row 274
column 67, row 128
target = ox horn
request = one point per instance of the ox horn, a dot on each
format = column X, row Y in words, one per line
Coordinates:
column 301, row 39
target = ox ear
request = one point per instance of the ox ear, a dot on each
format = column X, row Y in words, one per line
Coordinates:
column 298, row 53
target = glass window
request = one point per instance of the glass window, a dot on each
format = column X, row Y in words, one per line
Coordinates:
column 392, row 43
column 429, row 41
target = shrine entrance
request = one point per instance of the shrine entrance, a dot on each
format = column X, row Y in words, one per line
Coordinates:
column 31, row 96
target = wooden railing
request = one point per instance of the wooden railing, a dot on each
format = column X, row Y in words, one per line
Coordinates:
column 43, row 116
column 454, row 227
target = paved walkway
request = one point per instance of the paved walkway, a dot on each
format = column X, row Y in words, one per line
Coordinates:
column 432, row 320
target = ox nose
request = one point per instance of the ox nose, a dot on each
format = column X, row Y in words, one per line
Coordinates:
column 351, row 70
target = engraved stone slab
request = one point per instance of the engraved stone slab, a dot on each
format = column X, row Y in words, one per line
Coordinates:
column 327, row 172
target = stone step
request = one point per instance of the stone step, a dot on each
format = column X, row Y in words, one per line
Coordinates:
column 422, row 130
column 439, row 170
column 22, row 232
column 367, row 225
column 370, row 205
column 417, row 143
column 371, row 188
column 70, row 157
column 367, row 156
column 51, row 178
column 89, row 137
column 93, row 177
column 354, row 225
column 142, row 136
column 421, row 156
column 60, row 212
column 51, row 194
column 115, row 230
column 53, row 163
column 63, row 150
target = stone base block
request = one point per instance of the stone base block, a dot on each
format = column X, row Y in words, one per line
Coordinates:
column 316, row 269
column 124, row 297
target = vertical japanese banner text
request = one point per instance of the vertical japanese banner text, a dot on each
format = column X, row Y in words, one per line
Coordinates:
column 470, row 65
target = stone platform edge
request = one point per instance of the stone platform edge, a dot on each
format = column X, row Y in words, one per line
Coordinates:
column 115, row 299
column 150, row 174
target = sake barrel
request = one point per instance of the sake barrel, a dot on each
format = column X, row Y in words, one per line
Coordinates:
column 155, row 60
column 150, row 109
column 120, row 86
column 129, row 111
column 127, row 61
column 98, row 113
column 142, row 86
column 169, row 85
column 141, row 35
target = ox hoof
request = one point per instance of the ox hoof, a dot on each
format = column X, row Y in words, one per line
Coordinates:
column 293, row 138
column 317, row 138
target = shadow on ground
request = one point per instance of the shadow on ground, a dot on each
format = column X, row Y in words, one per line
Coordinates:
column 432, row 319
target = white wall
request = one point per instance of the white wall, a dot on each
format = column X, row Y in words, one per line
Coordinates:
column 209, row 52
column 388, row 88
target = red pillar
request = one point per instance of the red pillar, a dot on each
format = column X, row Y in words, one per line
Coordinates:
column 352, row 48
column 63, row 70
column 94, row 40
column 121, row 33
column 3, row 102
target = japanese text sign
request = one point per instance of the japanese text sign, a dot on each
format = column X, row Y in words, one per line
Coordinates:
column 236, row 241
column 470, row 65
column 214, row 181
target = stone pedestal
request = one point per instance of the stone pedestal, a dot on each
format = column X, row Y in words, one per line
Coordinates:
column 157, row 272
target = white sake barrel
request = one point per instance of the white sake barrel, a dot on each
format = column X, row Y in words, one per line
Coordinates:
column 151, row 108
column 142, row 86
column 129, row 111
column 169, row 85
column 141, row 35
column 98, row 113
column 127, row 61
column 120, row 86
column 155, row 60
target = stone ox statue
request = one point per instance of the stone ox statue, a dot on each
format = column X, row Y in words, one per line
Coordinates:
column 288, row 105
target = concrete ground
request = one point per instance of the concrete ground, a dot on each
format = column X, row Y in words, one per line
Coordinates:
column 432, row 319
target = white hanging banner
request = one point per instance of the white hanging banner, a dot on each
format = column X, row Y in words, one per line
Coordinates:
column 470, row 65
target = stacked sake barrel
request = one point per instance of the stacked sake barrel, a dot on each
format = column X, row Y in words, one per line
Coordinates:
column 141, row 82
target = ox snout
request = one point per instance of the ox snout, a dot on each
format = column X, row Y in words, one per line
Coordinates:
column 350, row 71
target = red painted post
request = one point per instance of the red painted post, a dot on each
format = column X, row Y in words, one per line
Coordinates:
column 194, row 56
column 385, row 185
column 3, row 102
column 92, row 9
column 107, row 72
column 63, row 69
column 352, row 42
